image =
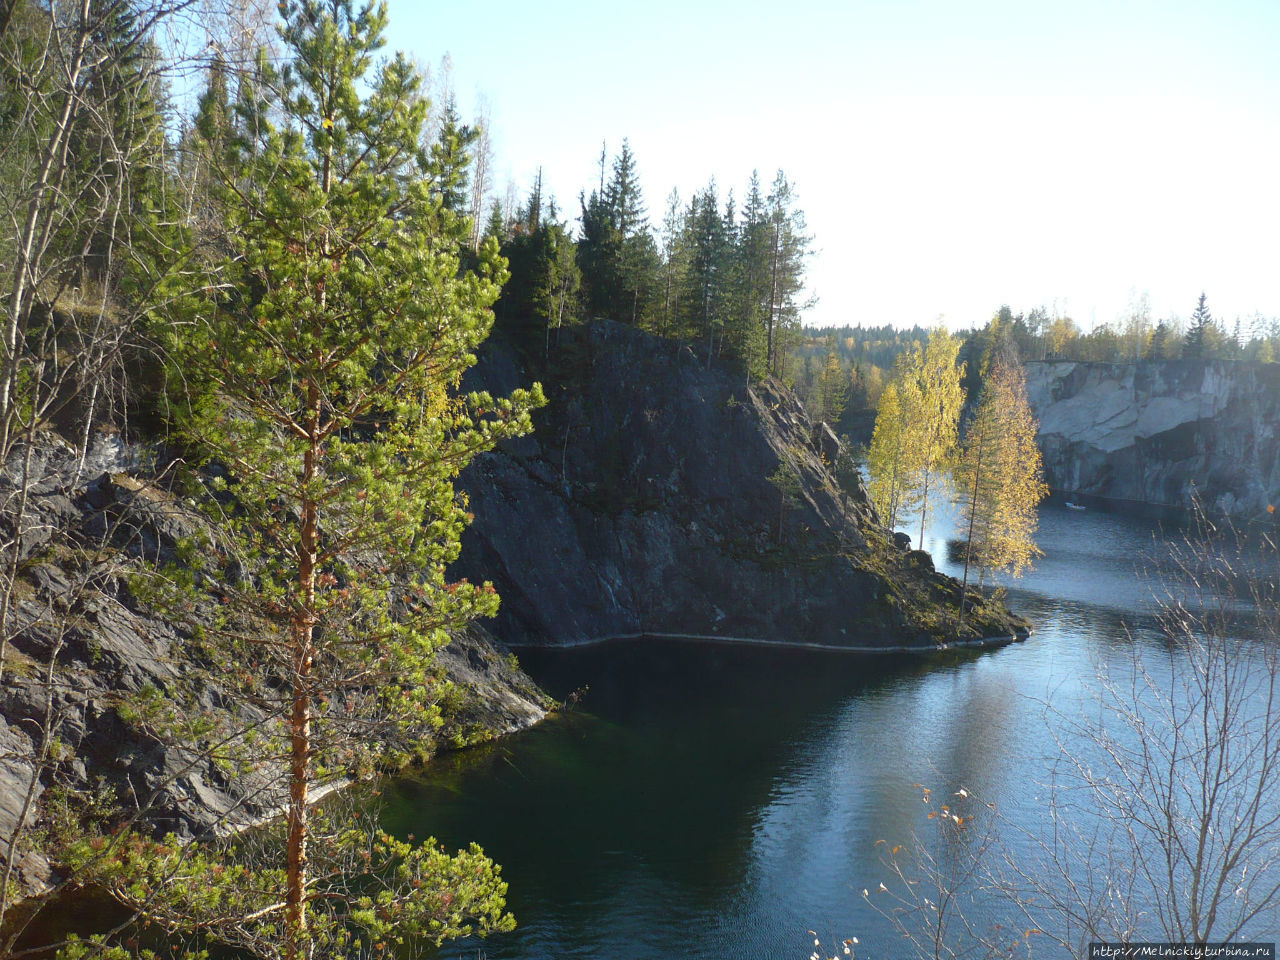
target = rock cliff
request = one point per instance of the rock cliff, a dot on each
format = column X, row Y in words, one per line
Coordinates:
column 1162, row 433
column 80, row 640
column 656, row 497
column 643, row 505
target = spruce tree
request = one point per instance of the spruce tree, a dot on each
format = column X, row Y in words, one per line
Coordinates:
column 1200, row 338
column 542, row 294
column 752, row 280
column 118, row 145
column 705, row 294
column 450, row 166
column 599, row 255
column 674, row 259
column 617, row 253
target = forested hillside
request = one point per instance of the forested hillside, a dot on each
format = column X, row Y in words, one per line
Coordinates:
column 243, row 284
column 841, row 372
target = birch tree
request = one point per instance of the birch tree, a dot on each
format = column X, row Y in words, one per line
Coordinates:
column 999, row 477
column 87, row 245
column 919, row 435
column 889, row 459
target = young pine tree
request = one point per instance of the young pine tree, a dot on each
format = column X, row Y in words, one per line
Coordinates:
column 332, row 353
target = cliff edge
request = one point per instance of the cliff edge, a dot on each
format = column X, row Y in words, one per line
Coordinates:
column 80, row 642
column 1161, row 433
column 643, row 504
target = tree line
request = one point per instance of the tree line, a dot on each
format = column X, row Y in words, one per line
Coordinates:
column 841, row 372
column 1137, row 335
column 729, row 282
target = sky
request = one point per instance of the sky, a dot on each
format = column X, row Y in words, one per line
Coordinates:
column 949, row 156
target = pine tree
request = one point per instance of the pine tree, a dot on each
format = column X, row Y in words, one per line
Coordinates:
column 789, row 250
column 332, row 360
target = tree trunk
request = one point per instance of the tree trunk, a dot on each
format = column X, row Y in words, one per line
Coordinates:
column 773, row 295
column 924, row 506
column 297, row 941
column 973, row 512
column 37, row 221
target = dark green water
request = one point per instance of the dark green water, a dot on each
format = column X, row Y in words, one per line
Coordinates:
column 665, row 808
column 720, row 801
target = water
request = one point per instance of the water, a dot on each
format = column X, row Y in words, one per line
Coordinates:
column 720, row 801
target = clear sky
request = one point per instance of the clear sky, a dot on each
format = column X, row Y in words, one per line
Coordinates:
column 950, row 156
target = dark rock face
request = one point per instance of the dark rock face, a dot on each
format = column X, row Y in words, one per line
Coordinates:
column 82, row 642
column 1161, row 433
column 643, row 505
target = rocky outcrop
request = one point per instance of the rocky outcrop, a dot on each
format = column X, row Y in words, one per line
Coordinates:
column 83, row 642
column 657, row 497
column 1163, row 433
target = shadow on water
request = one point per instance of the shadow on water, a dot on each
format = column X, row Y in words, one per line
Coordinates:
column 639, row 812
column 705, row 801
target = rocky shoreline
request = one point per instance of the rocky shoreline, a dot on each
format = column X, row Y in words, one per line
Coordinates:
column 926, row 647
column 647, row 502
column 82, row 640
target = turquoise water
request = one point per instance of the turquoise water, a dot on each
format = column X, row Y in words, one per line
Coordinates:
column 721, row 801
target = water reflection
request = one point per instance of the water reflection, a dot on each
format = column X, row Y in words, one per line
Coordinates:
column 709, row 801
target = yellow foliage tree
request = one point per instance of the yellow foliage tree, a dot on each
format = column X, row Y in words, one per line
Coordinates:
column 999, row 477
column 933, row 398
column 917, row 423
column 886, row 460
